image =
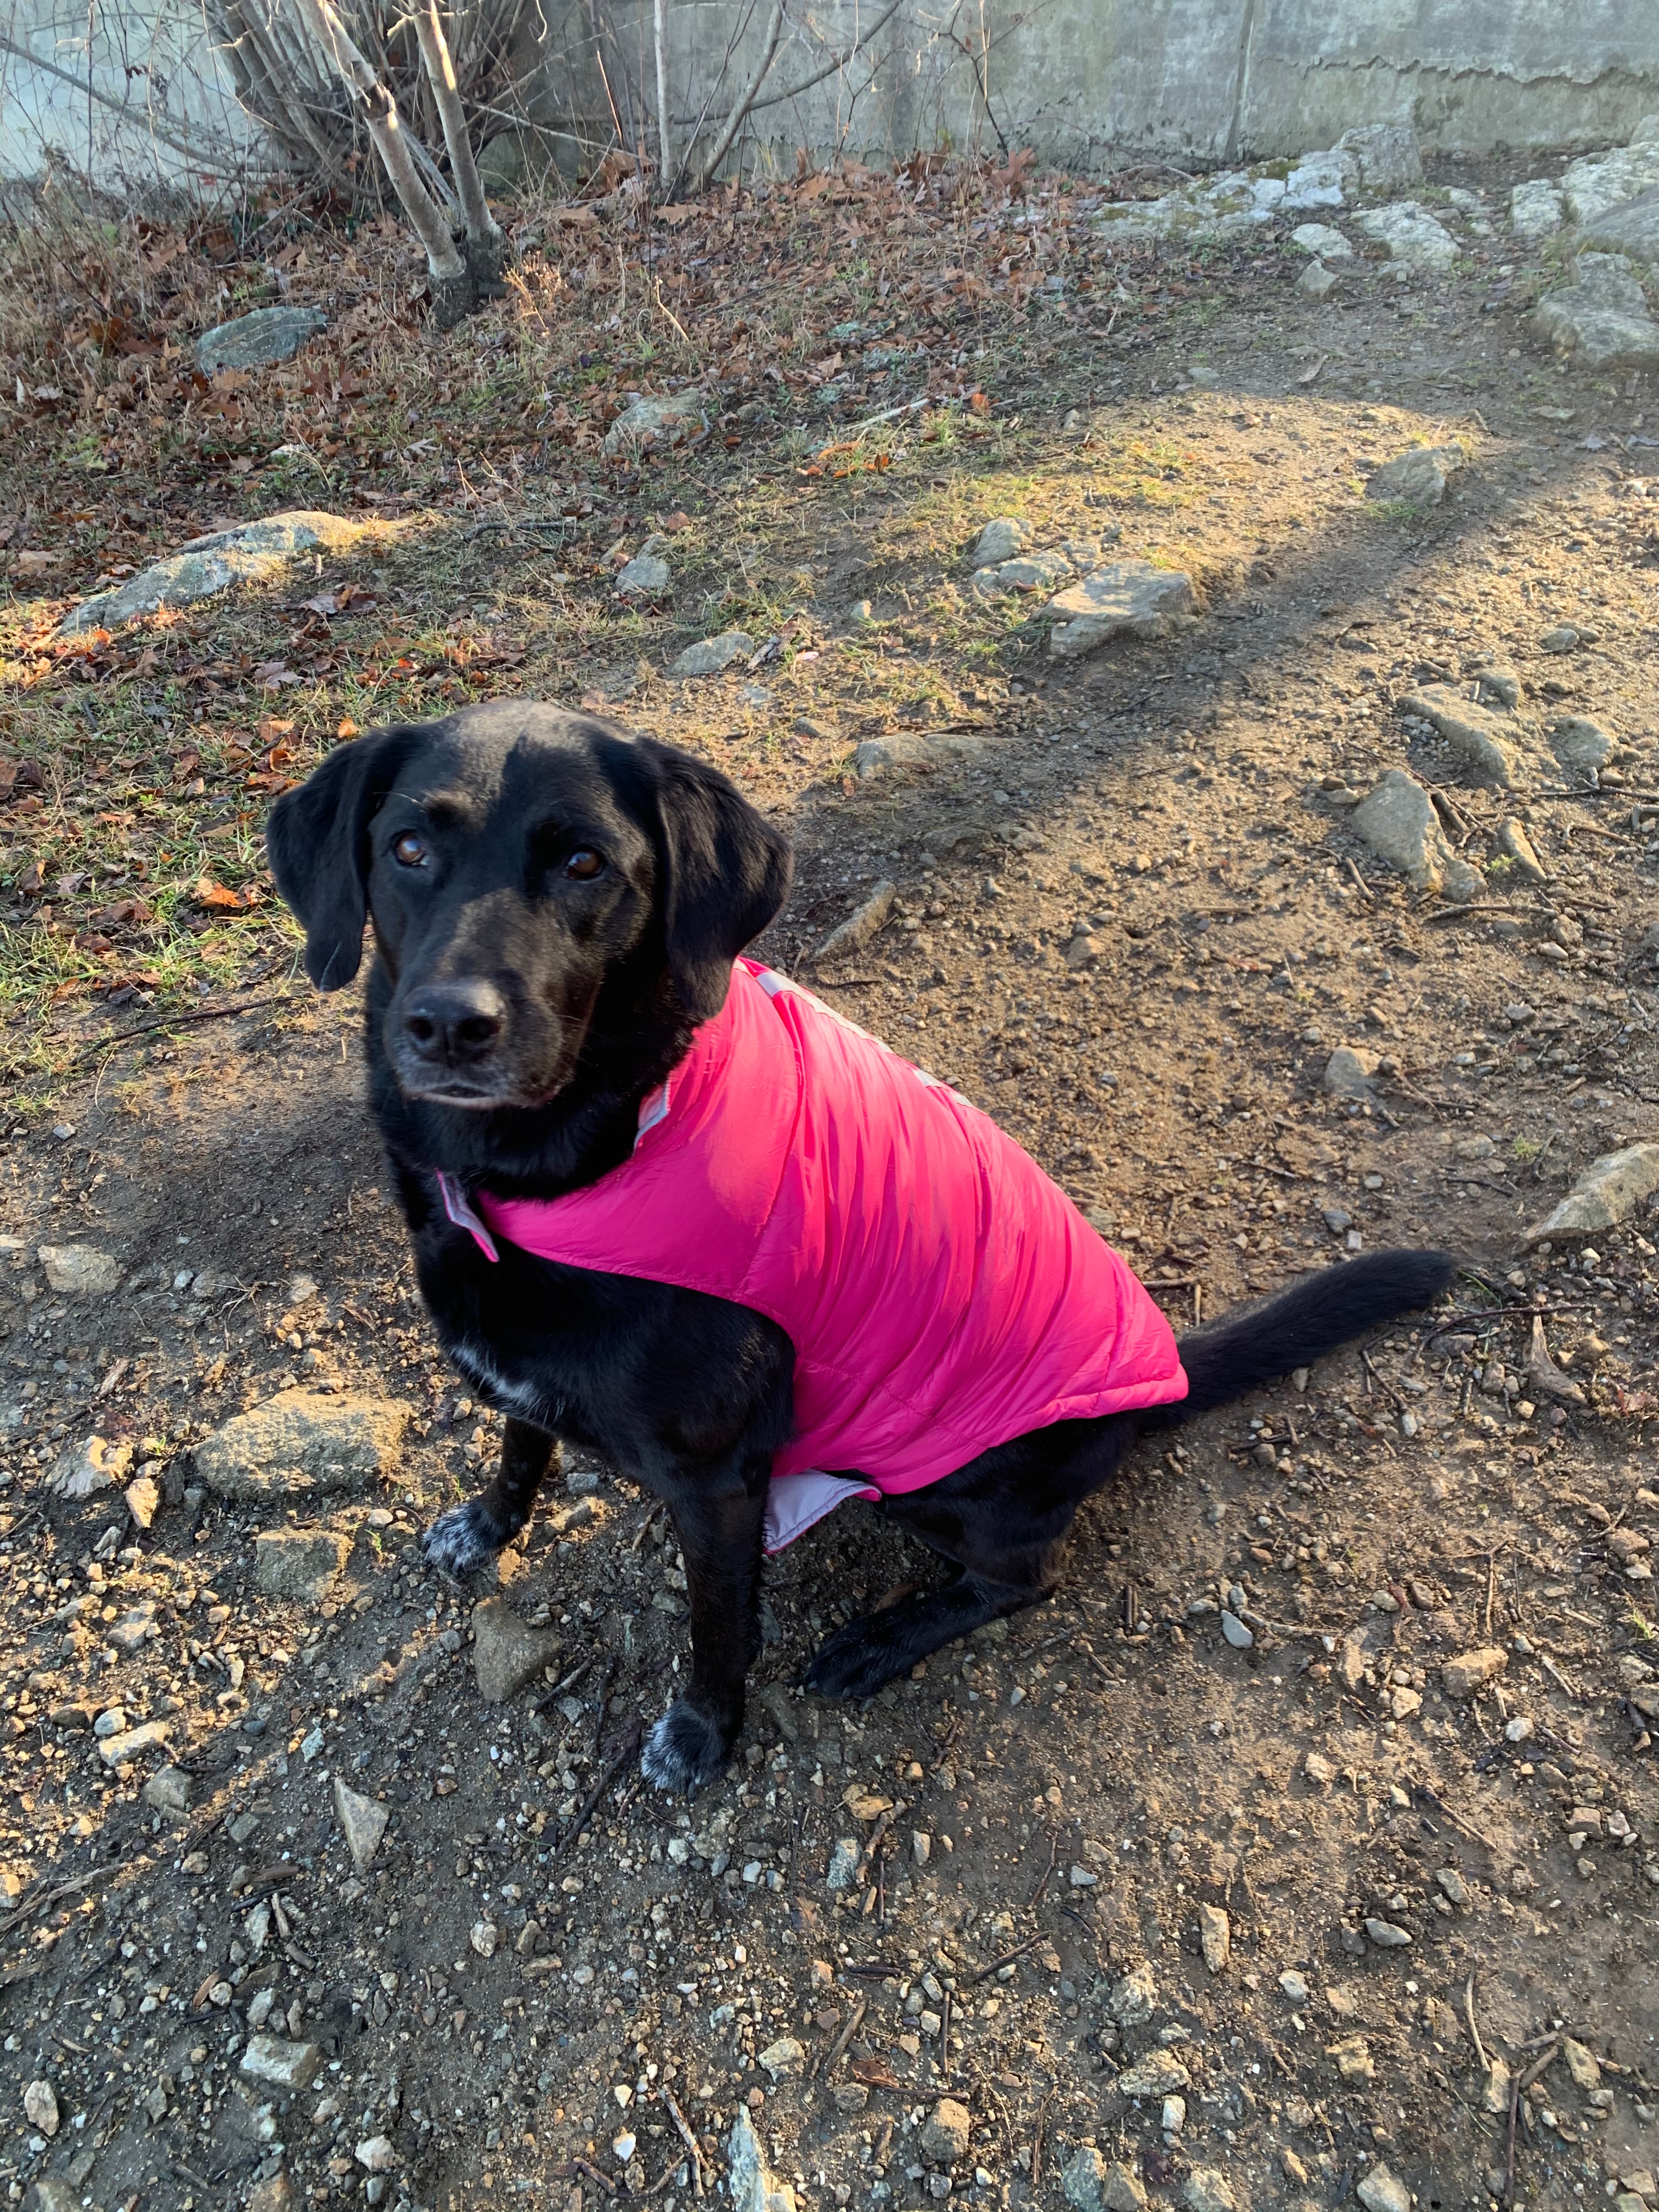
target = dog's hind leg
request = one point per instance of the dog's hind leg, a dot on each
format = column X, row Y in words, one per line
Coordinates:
column 469, row 1536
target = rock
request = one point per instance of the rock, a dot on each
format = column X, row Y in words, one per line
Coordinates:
column 1386, row 1936
column 1001, row 540
column 1420, row 474
column 362, row 1821
column 946, row 2133
column 709, row 655
column 1389, row 155
column 1632, row 229
column 657, row 422
column 647, row 575
column 86, row 1468
column 132, row 1629
column 1320, row 240
column 49, row 2194
column 1318, row 281
column 1600, row 319
column 1535, row 210
column 1033, row 572
column 1452, row 1885
column 285, row 2065
column 1127, row 599
column 903, row 749
column 253, row 553
column 1500, row 684
column 783, row 2057
column 1294, row 1986
column 860, row 927
column 1133, row 1997
column 1495, row 2090
column 485, row 1937
column 254, row 340
column 40, row 2107
column 1319, row 180
column 1215, row 1934
column 1489, row 745
column 843, row 1864
column 167, row 1792
column 1318, row 1769
column 1348, row 1073
column 1582, row 2064
column 119, row 1751
column 275, row 2195
column 377, row 2155
column 300, row 1564
column 1240, row 1637
column 143, row 1499
column 1472, row 1670
column 751, row 2186
column 1123, row 2192
column 1609, row 1190
column 1205, row 2189
column 1399, row 822
column 1409, row 234
column 299, row 1441
column 1154, row 2075
column 507, row 1653
column 1597, row 182
column 1379, row 2191
column 1583, row 747
column 1514, row 844
column 81, row 1270
column 1083, row 2179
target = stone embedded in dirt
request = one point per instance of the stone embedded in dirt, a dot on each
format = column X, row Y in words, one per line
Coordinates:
column 1320, row 240
column 1472, row 1670
column 143, row 1499
column 1398, row 821
column 49, row 2194
column 119, row 1751
column 1632, row 229
column 1597, row 182
column 946, row 2133
column 40, row 2107
column 902, row 749
column 1030, row 572
column 94, row 1465
column 285, row 2065
column 656, row 424
column 1156, row 2074
column 1127, row 599
column 1379, row 2191
column 507, row 1652
column 1205, row 2189
column 167, row 1792
column 484, row 1938
column 1583, row 747
column 1535, row 210
column 1600, row 318
column 275, row 2195
column 1215, row 1935
column 784, row 2057
column 1389, row 155
column 1001, row 540
column 860, row 927
column 300, row 1564
column 81, row 1270
column 843, row 1864
column 377, row 2155
column 1294, row 1986
column 1514, row 844
column 1609, row 1190
column 1409, row 234
column 1124, row 2192
column 1348, row 1073
column 253, row 553
column 1083, row 2179
column 1318, row 281
column 1319, row 1769
column 362, row 1821
column 1582, row 2064
column 1386, row 1936
column 1420, row 474
column 132, row 1629
column 214, row 1283
column 710, row 656
column 647, row 575
column 1133, row 1997
column 1491, row 744
column 300, row 1442
column 750, row 2184
column 1235, row 1632
column 254, row 340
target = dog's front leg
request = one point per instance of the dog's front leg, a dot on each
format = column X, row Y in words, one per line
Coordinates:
column 469, row 1536
column 720, row 1534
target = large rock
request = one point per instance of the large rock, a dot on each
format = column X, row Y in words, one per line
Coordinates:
column 300, row 1442
column 1159, row 2073
column 1598, row 181
column 1472, row 1670
column 283, row 2065
column 1083, row 2179
column 947, row 2133
column 1409, row 234
column 1002, row 539
column 254, row 340
column 1027, row 572
column 507, row 1653
column 1383, row 2191
column 1583, row 747
column 902, row 749
column 253, row 553
column 1600, row 319
column 363, row 1821
column 1535, row 210
column 1318, row 238
column 751, row 2186
column 1607, row 1192
column 81, row 1270
column 300, row 1564
column 709, row 656
column 1399, row 822
column 1420, row 474
column 96, row 1464
column 1389, row 158
column 1127, row 599
column 1492, row 746
column 1348, row 1073
column 647, row 575
column 1631, row 227
column 860, row 925
column 656, row 424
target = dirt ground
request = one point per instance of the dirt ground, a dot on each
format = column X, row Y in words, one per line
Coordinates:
column 1344, row 1913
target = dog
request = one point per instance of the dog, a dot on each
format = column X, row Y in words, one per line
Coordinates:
column 556, row 999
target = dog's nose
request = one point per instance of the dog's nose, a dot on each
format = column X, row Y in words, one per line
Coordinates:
column 453, row 1024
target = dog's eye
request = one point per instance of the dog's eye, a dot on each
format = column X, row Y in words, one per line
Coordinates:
column 409, row 850
column 583, row 864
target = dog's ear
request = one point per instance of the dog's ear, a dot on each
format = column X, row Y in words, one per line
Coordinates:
column 726, row 874
column 318, row 841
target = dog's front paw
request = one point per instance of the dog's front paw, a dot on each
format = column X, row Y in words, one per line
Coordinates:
column 857, row 1660
column 463, row 1539
column 685, row 1749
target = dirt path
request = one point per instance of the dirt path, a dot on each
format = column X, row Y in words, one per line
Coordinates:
column 1231, row 1914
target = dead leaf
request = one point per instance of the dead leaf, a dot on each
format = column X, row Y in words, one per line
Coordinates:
column 217, row 896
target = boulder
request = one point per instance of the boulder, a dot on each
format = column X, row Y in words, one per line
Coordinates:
column 254, row 340
column 1597, row 182
column 1127, row 599
column 301, row 1442
column 1028, row 572
column 1387, row 155
column 1420, row 474
column 1409, row 234
column 1608, row 1192
column 253, row 553
column 1399, row 822
column 1631, row 227
column 947, row 2133
column 1600, row 319
column 1535, row 210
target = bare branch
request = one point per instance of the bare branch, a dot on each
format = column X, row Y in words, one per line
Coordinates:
column 140, row 120
column 840, row 60
column 659, row 26
column 485, row 245
column 745, row 99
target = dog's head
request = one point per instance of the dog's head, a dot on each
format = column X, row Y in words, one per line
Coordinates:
column 516, row 860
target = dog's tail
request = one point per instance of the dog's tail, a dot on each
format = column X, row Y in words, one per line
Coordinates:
column 1260, row 1343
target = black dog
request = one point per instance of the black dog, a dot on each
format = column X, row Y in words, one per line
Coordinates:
column 557, row 907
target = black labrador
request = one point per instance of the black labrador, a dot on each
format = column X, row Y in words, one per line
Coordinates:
column 557, row 907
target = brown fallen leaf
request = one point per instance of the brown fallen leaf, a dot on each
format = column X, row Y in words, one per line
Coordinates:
column 218, row 896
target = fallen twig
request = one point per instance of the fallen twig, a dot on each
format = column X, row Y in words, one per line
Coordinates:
column 678, row 2117
column 630, row 1744
column 180, row 1021
column 853, row 2022
column 995, row 1965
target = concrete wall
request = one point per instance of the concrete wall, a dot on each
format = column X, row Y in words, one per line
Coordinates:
column 1084, row 82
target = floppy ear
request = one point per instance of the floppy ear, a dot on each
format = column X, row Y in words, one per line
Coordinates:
column 317, row 839
column 726, row 874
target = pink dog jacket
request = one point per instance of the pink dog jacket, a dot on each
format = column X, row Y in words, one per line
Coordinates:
column 942, row 1294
